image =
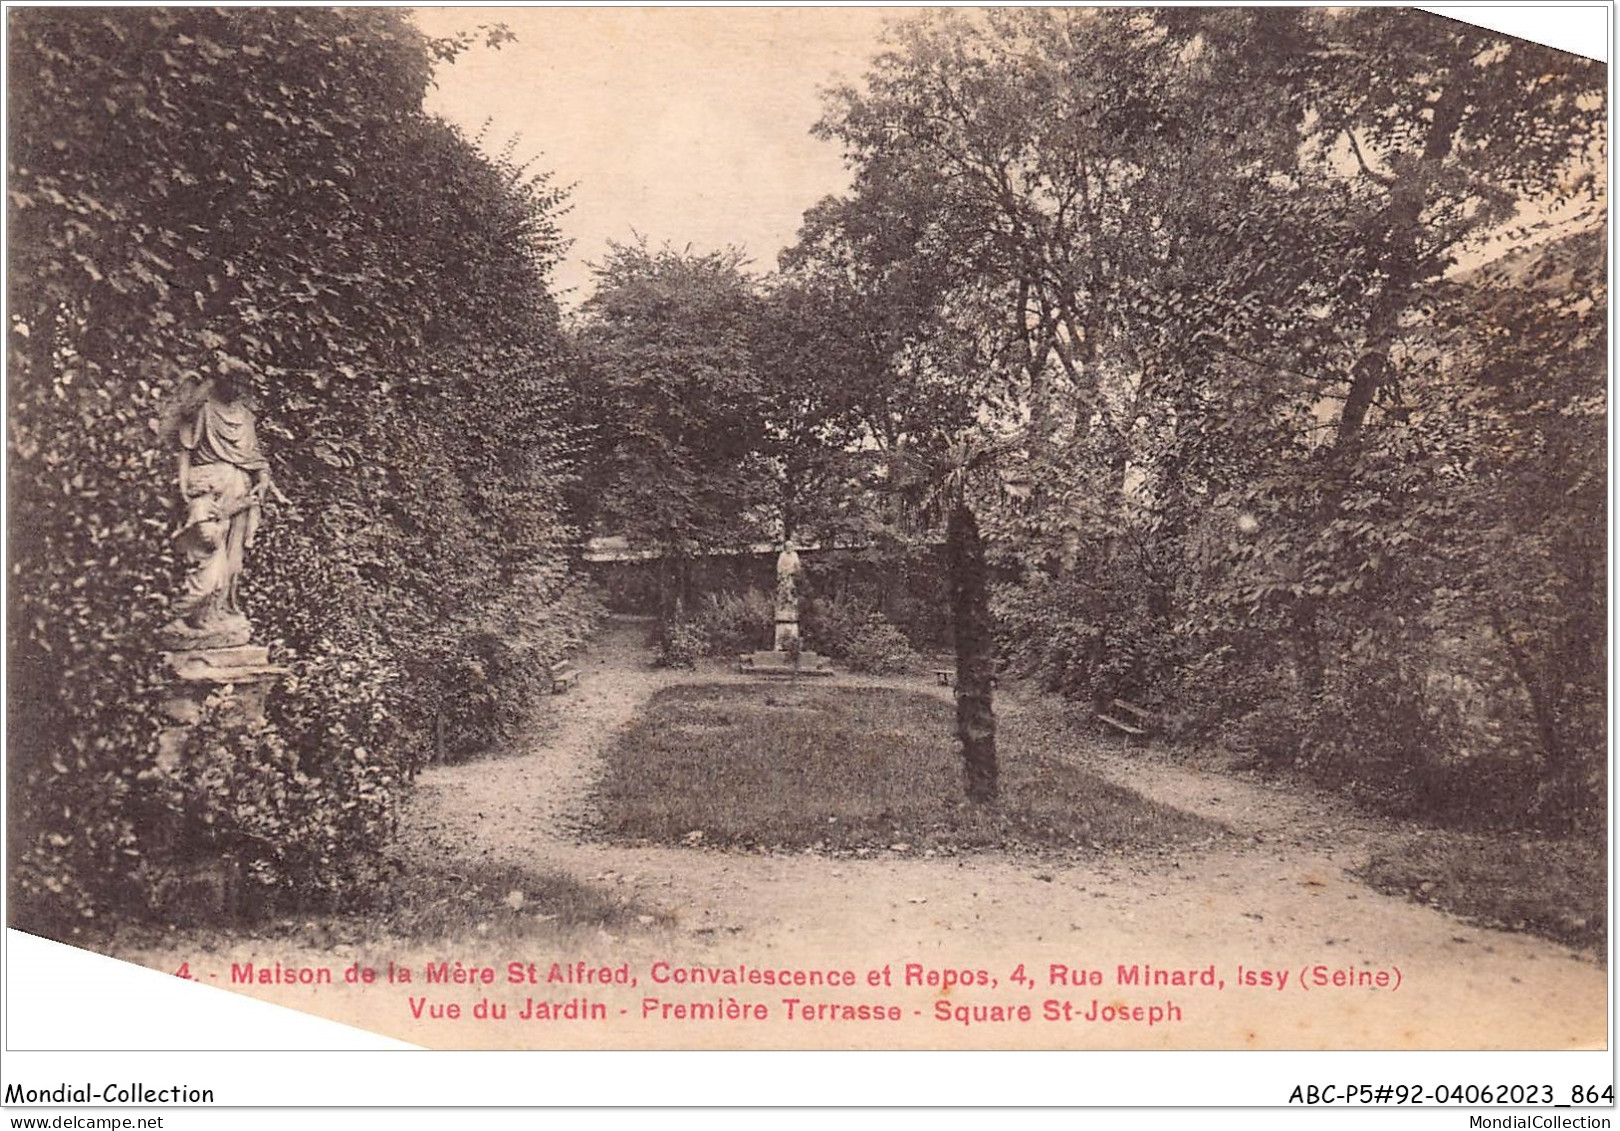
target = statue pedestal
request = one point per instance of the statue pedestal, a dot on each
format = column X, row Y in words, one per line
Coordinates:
column 787, row 657
column 200, row 673
column 782, row 663
column 787, row 635
column 208, row 887
column 223, row 632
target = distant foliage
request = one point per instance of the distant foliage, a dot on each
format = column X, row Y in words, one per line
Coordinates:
column 736, row 622
column 833, row 623
column 673, row 408
column 1274, row 464
column 1089, row 636
column 879, row 648
column 680, row 645
column 192, row 185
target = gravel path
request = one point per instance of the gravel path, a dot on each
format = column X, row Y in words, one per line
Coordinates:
column 1275, row 897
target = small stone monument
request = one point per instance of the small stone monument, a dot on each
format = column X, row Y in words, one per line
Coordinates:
column 223, row 481
column 787, row 657
column 787, row 599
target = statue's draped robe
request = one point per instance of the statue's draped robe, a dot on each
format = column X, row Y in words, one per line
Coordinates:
column 221, row 517
column 787, row 599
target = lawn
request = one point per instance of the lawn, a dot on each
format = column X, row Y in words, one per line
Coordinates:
column 854, row 770
column 422, row 903
column 502, row 901
column 1554, row 888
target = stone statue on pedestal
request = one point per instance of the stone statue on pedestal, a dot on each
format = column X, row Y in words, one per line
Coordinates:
column 787, row 599
column 224, row 480
column 787, row 656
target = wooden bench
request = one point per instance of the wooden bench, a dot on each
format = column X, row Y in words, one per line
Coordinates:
column 563, row 676
column 1136, row 722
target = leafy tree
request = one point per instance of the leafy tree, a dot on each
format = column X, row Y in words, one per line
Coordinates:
column 870, row 299
column 913, row 379
column 1451, row 128
column 814, row 376
column 667, row 376
column 1205, row 280
column 1409, row 127
column 1524, row 550
column 1033, row 170
column 992, row 200
column 842, row 352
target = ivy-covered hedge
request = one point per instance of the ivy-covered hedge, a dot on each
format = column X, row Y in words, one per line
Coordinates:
column 196, row 187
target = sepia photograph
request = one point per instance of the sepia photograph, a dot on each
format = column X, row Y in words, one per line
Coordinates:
column 829, row 529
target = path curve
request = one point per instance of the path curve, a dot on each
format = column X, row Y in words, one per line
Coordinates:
column 1278, row 894
column 1275, row 896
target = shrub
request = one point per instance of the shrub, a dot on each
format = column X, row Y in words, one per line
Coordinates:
column 1381, row 735
column 832, row 624
column 1092, row 638
column 679, row 646
column 1390, row 727
column 295, row 833
column 880, row 648
column 1051, row 632
column 487, row 694
column 731, row 623
column 907, row 583
column 1271, row 734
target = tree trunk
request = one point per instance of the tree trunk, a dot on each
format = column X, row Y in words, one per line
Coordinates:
column 975, row 653
column 674, row 584
column 1542, row 709
column 1403, row 223
column 1308, row 649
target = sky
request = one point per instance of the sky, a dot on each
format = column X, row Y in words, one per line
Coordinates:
column 691, row 126
column 688, row 126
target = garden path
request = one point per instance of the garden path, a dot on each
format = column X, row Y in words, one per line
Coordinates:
column 1275, row 894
